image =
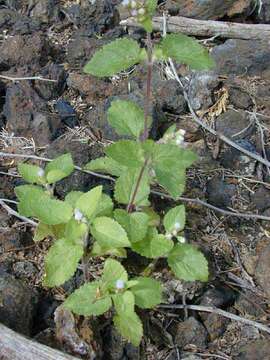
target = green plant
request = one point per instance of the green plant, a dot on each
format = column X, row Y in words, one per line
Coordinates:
column 88, row 224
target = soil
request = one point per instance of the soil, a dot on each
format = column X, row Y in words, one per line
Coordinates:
column 53, row 39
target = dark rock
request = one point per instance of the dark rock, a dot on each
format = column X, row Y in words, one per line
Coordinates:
column 80, row 49
column 51, row 90
column 2, row 95
column 44, row 10
column 24, row 269
column 18, row 303
column 4, row 219
column 67, row 113
column 9, row 239
column 261, row 198
column 154, row 329
column 190, row 331
column 25, row 26
column 234, row 124
column 258, row 349
column 217, row 297
column 263, row 16
column 200, row 90
column 81, row 154
column 207, row 9
column 219, row 193
column 249, row 303
column 240, row 99
column 262, row 271
column 169, row 96
column 242, row 57
column 8, row 18
column 215, row 325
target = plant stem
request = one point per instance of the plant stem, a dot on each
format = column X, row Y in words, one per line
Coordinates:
column 131, row 204
column 148, row 96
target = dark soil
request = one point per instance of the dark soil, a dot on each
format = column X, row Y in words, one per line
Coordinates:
column 54, row 39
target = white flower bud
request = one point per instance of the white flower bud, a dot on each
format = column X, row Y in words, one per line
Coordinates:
column 78, row 215
column 174, row 232
column 181, row 239
column 182, row 132
column 168, row 236
column 177, row 226
column 120, row 284
column 41, row 172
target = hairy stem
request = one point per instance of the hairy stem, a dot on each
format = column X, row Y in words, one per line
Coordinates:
column 148, row 94
column 131, row 204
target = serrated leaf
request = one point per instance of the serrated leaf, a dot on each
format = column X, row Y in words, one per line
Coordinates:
column 126, row 117
column 89, row 201
column 97, row 250
column 59, row 168
column 25, row 191
column 88, row 300
column 186, row 50
column 135, row 224
column 154, row 245
column 105, row 165
column 31, row 173
column 127, row 153
column 147, row 292
column 42, row 231
column 112, row 272
column 76, row 231
column 105, row 207
column 124, row 303
column 41, row 206
column 108, row 233
column 130, row 327
column 72, row 197
column 175, row 219
column 188, row 263
column 114, row 57
column 125, row 186
column 58, row 271
column 153, row 217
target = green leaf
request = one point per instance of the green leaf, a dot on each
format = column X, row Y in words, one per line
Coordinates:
column 186, row 50
column 72, row 197
column 42, row 231
column 147, row 292
column 31, row 173
column 105, row 165
column 124, row 303
column 61, row 262
column 188, row 263
column 154, row 218
column 135, row 224
column 126, row 152
column 89, row 201
column 97, row 250
column 112, row 272
column 125, row 186
column 175, row 219
column 76, row 231
column 154, row 245
column 151, row 6
column 49, row 211
column 105, row 207
column 88, row 300
column 130, row 327
column 109, row 233
column 25, row 191
column 114, row 57
column 59, row 168
column 126, row 117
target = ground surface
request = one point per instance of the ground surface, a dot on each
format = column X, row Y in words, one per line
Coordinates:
column 54, row 39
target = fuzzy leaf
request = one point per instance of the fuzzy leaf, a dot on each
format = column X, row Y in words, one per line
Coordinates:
column 25, row 191
column 72, row 197
column 31, row 173
column 59, row 168
column 186, row 50
column 126, row 117
column 61, row 262
column 147, row 292
column 188, row 263
column 176, row 215
column 105, row 207
column 97, row 250
column 154, row 245
column 124, row 303
column 130, row 327
column 125, row 186
column 112, row 272
column 114, row 57
column 88, row 300
column 89, row 201
column 42, row 231
column 135, row 224
column 127, row 153
column 75, row 231
column 109, row 233
column 105, row 165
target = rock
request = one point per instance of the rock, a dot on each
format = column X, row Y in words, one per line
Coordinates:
column 19, row 51
column 234, row 124
column 28, row 115
column 81, row 154
column 25, row 26
column 155, row 330
column 258, row 349
column 206, row 9
column 67, row 113
column 51, row 90
column 4, row 219
column 216, row 297
column 25, row 270
column 169, row 96
column 219, row 193
column 80, row 49
column 9, row 239
column 261, row 198
column 17, row 304
column 239, row 98
column 200, row 90
column 190, row 331
column 8, row 18
column 262, row 271
column 248, row 303
column 44, row 10
column 242, row 57
column 263, row 12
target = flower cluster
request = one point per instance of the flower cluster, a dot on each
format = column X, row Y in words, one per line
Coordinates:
column 174, row 233
column 175, row 137
column 137, row 8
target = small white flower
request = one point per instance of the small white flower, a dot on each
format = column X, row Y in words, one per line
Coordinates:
column 179, row 141
column 177, row 226
column 174, row 232
column 78, row 215
column 182, row 132
column 141, row 11
column 133, row 4
column 168, row 236
column 120, row 284
column 181, row 239
column 41, row 172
